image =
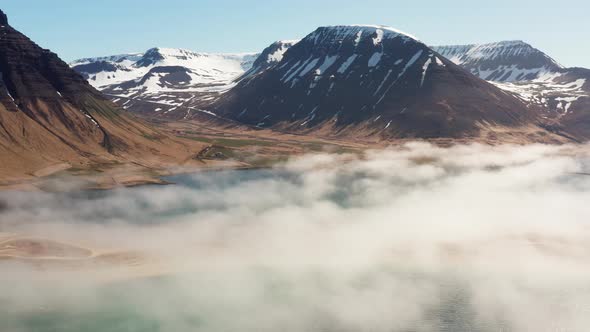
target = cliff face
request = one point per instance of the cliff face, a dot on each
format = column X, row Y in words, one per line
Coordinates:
column 164, row 82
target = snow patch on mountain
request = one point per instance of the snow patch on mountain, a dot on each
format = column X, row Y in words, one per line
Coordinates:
column 552, row 96
column 424, row 70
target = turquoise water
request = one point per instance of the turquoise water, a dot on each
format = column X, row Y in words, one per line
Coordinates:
column 116, row 308
column 113, row 308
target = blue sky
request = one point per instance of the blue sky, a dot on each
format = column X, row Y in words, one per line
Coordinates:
column 80, row 28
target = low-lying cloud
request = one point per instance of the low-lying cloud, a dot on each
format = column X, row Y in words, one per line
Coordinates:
column 415, row 238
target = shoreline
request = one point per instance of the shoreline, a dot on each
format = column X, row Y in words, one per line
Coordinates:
column 130, row 181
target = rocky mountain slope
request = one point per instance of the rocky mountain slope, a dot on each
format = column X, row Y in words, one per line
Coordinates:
column 370, row 81
column 506, row 61
column 50, row 117
column 164, row 81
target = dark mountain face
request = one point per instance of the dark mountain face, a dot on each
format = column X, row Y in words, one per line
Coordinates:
column 374, row 78
column 3, row 18
column 32, row 72
column 44, row 88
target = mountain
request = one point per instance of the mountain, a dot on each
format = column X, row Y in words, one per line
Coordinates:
column 50, row 115
column 506, row 61
column 370, row 81
column 164, row 81
column 562, row 94
column 270, row 56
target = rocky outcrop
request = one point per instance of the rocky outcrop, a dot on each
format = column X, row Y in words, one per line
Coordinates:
column 165, row 82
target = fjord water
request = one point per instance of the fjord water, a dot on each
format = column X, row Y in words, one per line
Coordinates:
column 415, row 239
column 115, row 309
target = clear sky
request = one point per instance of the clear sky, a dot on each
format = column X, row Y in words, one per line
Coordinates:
column 84, row 28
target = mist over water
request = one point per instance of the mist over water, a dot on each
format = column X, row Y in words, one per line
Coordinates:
column 416, row 238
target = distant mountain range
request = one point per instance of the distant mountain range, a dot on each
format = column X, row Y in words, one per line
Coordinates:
column 181, row 84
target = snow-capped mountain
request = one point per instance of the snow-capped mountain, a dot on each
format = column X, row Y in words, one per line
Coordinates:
column 163, row 79
column 532, row 75
column 351, row 74
column 506, row 61
column 371, row 80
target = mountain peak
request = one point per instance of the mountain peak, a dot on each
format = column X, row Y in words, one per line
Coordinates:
column 3, row 18
column 358, row 30
column 150, row 57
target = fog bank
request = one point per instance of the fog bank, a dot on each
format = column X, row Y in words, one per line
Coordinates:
column 415, row 238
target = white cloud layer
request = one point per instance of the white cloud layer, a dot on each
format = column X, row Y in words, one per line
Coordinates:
column 417, row 238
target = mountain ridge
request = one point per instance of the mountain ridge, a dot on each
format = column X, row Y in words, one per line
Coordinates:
column 514, row 66
column 164, row 81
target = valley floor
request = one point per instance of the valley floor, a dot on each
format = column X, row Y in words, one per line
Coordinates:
column 220, row 144
column 215, row 147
